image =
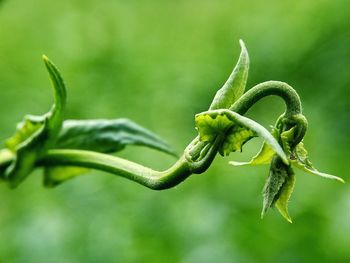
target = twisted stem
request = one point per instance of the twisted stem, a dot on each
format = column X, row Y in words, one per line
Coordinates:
column 157, row 180
column 184, row 167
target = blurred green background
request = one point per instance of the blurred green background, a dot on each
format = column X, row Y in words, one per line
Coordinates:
column 158, row 63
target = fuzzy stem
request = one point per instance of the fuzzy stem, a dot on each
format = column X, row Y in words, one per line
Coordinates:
column 118, row 166
column 277, row 88
column 157, row 180
column 183, row 168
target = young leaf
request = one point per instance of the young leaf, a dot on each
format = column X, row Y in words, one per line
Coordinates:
column 234, row 87
column 55, row 115
column 264, row 156
column 236, row 138
column 211, row 123
column 6, row 157
column 274, row 182
column 105, row 136
column 287, row 138
column 55, row 175
column 25, row 129
column 37, row 133
column 286, row 192
column 108, row 136
column 300, row 160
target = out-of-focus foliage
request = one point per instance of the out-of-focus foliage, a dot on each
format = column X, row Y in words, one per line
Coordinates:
column 159, row 63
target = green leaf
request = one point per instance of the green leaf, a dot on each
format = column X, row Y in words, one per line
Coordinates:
column 36, row 134
column 274, row 182
column 55, row 175
column 287, row 138
column 300, row 160
column 212, row 123
column 264, row 156
column 234, row 87
column 108, row 136
column 6, row 157
column 25, row 130
column 286, row 192
column 55, row 115
column 236, row 138
column 105, row 136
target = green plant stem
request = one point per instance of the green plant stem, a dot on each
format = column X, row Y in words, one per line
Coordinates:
column 127, row 169
column 268, row 88
column 156, row 180
column 183, row 168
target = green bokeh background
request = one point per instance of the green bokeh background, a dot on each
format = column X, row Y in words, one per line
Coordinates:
column 158, row 63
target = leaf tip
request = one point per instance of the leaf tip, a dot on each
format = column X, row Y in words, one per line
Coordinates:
column 284, row 212
column 47, row 62
column 45, row 59
column 339, row 179
column 264, row 211
column 242, row 44
column 287, row 217
column 244, row 51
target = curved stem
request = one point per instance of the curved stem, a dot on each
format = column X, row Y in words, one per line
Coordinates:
column 115, row 165
column 156, row 180
column 202, row 164
column 278, row 88
column 183, row 167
